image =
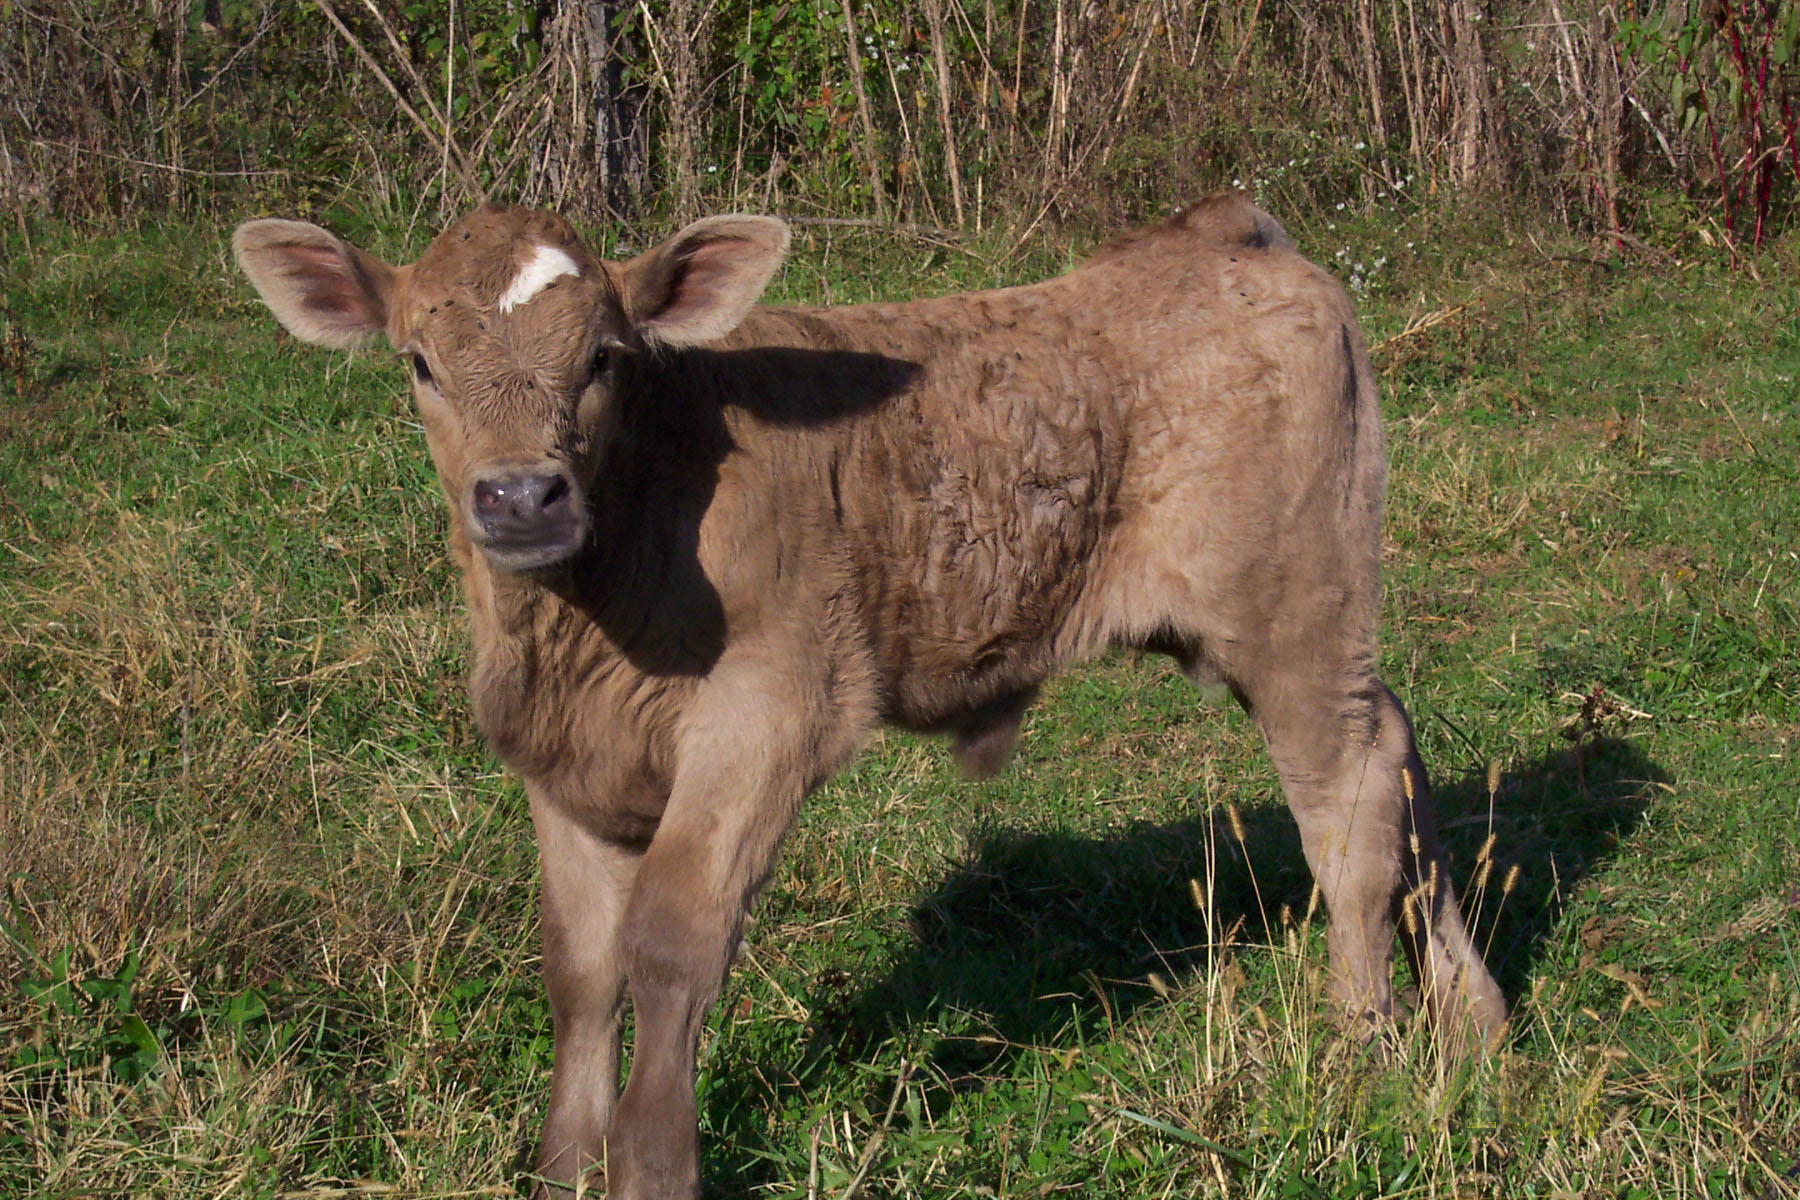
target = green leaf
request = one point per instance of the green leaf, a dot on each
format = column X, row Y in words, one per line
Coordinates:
column 1235, row 1157
column 134, row 1049
column 56, row 990
column 1781, row 51
column 247, row 1005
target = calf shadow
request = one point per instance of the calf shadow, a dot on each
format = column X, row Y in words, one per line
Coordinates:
column 1041, row 939
column 1042, row 934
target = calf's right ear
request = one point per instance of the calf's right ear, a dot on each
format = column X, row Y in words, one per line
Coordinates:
column 321, row 288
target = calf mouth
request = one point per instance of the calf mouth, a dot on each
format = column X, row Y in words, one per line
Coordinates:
column 525, row 518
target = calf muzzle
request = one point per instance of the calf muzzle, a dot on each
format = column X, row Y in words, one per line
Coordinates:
column 523, row 519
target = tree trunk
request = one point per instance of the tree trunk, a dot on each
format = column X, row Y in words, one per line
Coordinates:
column 618, row 160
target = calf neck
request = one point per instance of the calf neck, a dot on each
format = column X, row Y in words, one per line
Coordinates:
column 708, row 546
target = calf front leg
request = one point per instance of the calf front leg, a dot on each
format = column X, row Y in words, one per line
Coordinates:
column 752, row 749
column 586, row 883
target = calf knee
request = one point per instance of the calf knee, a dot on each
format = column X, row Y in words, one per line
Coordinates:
column 678, row 937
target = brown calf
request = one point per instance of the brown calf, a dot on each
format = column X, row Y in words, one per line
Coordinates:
column 707, row 546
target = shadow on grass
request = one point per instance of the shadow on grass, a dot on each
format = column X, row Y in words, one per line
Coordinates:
column 1046, row 939
column 1041, row 935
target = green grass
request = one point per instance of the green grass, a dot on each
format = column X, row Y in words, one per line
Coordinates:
column 267, row 924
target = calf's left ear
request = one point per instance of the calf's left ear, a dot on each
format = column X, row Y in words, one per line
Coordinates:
column 697, row 286
column 323, row 289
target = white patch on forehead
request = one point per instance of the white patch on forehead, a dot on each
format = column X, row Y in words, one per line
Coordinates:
column 545, row 265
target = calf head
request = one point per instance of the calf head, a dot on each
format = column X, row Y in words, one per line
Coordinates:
column 515, row 336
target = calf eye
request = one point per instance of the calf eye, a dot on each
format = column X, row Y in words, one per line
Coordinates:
column 605, row 354
column 421, row 372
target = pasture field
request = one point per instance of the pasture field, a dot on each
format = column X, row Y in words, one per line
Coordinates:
column 267, row 905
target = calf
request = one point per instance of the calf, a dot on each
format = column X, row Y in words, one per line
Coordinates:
column 707, row 546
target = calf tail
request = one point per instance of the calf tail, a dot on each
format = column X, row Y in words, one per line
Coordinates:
column 1360, row 428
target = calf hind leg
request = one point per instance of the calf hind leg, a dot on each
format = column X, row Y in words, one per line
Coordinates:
column 1351, row 771
column 1461, row 997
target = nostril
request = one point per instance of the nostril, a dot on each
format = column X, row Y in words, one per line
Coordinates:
column 488, row 496
column 558, row 489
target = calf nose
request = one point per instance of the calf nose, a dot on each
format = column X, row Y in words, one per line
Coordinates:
column 527, row 518
column 523, row 501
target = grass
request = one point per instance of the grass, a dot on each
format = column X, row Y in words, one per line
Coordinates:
column 267, row 925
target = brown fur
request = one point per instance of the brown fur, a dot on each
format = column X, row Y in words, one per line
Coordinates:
column 764, row 530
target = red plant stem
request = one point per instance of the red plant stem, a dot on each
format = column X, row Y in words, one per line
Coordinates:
column 1748, row 28
column 1745, row 164
column 1682, row 67
column 1757, row 166
column 1718, row 155
column 1765, row 164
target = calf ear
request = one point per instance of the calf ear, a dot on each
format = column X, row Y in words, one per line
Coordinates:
column 697, row 286
column 323, row 289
